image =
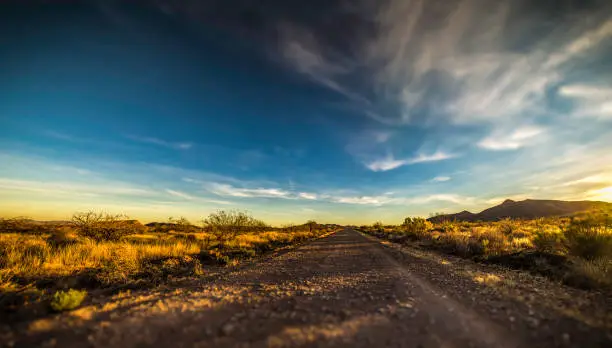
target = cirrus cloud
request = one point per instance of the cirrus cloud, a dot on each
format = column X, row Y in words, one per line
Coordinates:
column 390, row 163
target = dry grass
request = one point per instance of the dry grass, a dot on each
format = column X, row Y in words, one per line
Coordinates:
column 31, row 256
column 60, row 258
column 577, row 250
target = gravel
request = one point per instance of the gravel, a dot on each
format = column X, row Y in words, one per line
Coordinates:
column 346, row 289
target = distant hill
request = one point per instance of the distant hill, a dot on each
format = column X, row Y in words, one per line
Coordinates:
column 527, row 209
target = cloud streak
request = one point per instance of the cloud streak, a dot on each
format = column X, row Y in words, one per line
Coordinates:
column 232, row 191
column 161, row 142
column 390, row 163
column 510, row 141
column 451, row 61
column 593, row 101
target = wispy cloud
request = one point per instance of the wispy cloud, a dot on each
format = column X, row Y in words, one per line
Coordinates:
column 307, row 195
column 380, row 200
column 305, row 53
column 591, row 100
column 390, row 163
column 436, row 156
column 510, row 141
column 456, row 61
column 223, row 189
column 468, row 48
column 441, row 178
column 180, row 194
column 364, row 200
column 69, row 189
column 232, row 191
column 385, row 164
column 161, row 142
column 451, row 198
column 189, row 197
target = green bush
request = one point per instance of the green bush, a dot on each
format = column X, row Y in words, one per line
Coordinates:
column 447, row 226
column 507, row 226
column 417, row 226
column 589, row 238
column 493, row 242
column 548, row 239
column 67, row 300
column 456, row 243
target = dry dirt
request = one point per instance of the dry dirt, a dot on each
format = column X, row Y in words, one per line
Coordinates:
column 346, row 289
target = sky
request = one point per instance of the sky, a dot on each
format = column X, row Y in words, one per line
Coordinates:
column 344, row 112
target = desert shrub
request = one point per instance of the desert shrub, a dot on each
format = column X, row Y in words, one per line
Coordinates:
column 457, row 243
column 378, row 227
column 521, row 233
column 22, row 225
column 521, row 243
column 417, row 226
column 226, row 225
column 589, row 238
column 105, row 227
column 180, row 224
column 507, row 226
column 448, row 226
column 492, row 241
column 548, row 239
column 67, row 300
column 312, row 225
column 61, row 237
column 591, row 273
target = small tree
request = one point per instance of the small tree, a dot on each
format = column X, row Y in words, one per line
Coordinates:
column 181, row 224
column 417, row 226
column 226, row 225
column 311, row 225
column 104, row 226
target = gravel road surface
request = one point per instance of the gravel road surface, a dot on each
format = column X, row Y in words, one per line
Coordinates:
column 345, row 289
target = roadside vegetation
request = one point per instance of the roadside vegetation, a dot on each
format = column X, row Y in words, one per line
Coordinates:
column 57, row 263
column 576, row 250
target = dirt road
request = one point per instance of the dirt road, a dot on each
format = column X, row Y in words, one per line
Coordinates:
column 342, row 290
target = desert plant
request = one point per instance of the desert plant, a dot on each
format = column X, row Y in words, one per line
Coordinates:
column 589, row 238
column 592, row 273
column 181, row 224
column 226, row 225
column 456, row 242
column 61, row 237
column 507, row 226
column 378, row 227
column 548, row 239
column 67, row 300
column 493, row 242
column 22, row 225
column 104, row 227
column 417, row 226
column 448, row 226
column 311, row 225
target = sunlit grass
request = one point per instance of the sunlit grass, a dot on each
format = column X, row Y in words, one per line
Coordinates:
column 583, row 243
column 37, row 261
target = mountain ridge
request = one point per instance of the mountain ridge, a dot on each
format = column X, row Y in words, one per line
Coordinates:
column 526, row 209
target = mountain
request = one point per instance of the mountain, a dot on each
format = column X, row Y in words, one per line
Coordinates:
column 527, row 209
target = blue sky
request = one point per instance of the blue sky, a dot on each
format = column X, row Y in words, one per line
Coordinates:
column 347, row 112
